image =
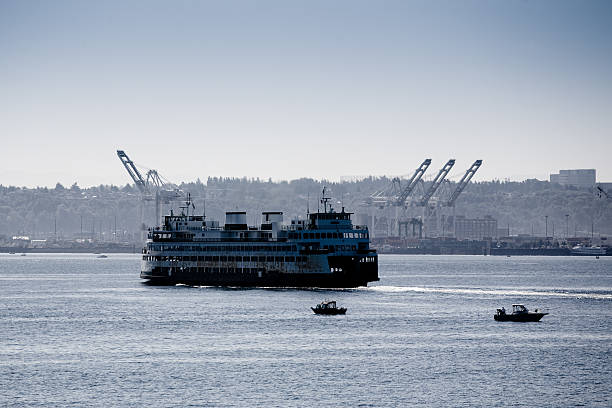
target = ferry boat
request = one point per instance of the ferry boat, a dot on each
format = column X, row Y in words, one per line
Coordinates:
column 325, row 251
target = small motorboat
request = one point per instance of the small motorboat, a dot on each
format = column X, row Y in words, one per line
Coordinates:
column 102, row 256
column 519, row 314
column 328, row 307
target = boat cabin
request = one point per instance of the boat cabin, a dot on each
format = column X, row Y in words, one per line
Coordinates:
column 519, row 309
column 328, row 304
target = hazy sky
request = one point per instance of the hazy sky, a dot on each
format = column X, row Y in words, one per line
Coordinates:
column 289, row 89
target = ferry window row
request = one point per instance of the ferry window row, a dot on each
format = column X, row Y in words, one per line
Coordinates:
column 368, row 259
column 225, row 248
column 327, row 235
column 334, row 248
column 275, row 259
column 222, row 270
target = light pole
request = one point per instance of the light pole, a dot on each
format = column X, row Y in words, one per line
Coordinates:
column 566, row 226
column 546, row 233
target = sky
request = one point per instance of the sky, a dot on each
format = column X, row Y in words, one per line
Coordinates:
column 289, row 89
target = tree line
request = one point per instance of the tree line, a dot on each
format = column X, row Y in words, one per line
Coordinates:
column 118, row 212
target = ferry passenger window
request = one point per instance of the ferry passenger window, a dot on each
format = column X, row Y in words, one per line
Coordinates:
column 215, row 259
column 317, row 235
column 261, row 259
column 230, row 258
column 238, row 259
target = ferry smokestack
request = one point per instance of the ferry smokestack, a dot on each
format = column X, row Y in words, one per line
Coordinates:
column 235, row 220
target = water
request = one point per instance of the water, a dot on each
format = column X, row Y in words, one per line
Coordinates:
column 81, row 331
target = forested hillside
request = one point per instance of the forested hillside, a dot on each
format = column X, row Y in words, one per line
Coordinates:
column 102, row 210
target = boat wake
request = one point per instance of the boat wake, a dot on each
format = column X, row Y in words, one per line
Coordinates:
column 561, row 293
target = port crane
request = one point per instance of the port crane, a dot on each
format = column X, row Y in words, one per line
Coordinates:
column 603, row 193
column 153, row 187
column 394, row 194
column 412, row 183
column 463, row 183
column 437, row 182
column 134, row 173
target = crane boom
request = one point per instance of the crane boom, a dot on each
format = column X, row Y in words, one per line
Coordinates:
column 601, row 192
column 463, row 183
column 412, row 182
column 133, row 172
column 437, row 181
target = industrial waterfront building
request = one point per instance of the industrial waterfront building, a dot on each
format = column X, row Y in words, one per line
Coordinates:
column 475, row 228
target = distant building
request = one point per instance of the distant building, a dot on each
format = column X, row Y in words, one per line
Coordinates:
column 576, row 177
column 503, row 232
column 475, row 228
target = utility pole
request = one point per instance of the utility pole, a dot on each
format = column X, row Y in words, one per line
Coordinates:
column 443, row 232
column 546, row 233
column 575, row 230
column 566, row 226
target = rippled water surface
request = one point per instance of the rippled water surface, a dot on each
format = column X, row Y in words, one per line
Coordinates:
column 82, row 331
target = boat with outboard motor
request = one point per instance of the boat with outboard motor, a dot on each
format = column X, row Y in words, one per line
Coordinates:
column 519, row 314
column 328, row 307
